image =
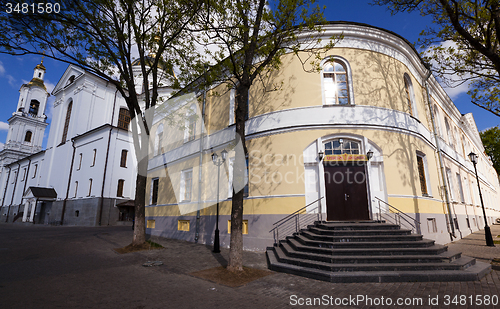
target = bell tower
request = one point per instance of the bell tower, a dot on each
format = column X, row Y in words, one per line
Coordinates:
column 27, row 124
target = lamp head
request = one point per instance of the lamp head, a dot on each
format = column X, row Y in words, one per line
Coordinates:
column 215, row 157
column 473, row 157
column 224, row 155
column 369, row 154
column 320, row 155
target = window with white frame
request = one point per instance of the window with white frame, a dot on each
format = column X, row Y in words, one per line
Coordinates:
column 448, row 131
column 76, row 188
column 437, row 120
column 158, row 140
column 409, row 96
column 35, row 169
column 450, row 184
column 190, row 124
column 186, row 185
column 79, row 162
column 90, row 187
column 336, row 82
column 423, row 173
column 341, row 146
column 232, row 94
column 94, row 154
column 460, row 189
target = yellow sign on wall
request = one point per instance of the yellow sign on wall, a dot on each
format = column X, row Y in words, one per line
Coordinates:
column 345, row 157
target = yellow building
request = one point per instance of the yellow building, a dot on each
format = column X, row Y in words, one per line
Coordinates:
column 371, row 135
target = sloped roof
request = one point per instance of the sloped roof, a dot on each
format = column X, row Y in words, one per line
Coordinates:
column 42, row 192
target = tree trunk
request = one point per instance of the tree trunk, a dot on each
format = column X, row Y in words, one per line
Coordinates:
column 235, row 262
column 139, row 204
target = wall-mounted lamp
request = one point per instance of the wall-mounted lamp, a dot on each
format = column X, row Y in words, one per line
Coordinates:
column 369, row 155
column 320, row 155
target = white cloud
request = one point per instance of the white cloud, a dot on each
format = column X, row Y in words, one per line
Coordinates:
column 2, row 69
column 4, row 126
column 10, row 78
column 1, row 145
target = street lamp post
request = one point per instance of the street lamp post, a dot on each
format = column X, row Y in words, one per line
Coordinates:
column 487, row 231
column 218, row 163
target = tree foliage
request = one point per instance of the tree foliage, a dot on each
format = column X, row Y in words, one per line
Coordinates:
column 111, row 38
column 463, row 42
column 245, row 40
column 491, row 142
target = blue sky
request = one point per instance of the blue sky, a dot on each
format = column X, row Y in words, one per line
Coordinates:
column 16, row 70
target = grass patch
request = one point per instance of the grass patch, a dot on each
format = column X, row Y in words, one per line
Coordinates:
column 496, row 242
column 147, row 245
column 222, row 276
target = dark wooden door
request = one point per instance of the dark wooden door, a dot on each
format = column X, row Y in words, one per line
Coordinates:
column 346, row 196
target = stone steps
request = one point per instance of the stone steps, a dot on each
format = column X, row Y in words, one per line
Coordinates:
column 369, row 251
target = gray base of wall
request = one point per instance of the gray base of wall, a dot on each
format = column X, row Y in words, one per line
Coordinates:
column 259, row 237
column 79, row 212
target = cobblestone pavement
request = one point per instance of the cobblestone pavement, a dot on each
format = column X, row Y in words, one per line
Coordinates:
column 75, row 267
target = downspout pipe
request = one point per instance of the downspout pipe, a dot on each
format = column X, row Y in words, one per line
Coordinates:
column 69, row 180
column 5, row 192
column 451, row 228
column 101, row 202
column 15, row 183
column 25, row 182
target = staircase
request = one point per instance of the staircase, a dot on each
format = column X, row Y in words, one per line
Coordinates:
column 369, row 251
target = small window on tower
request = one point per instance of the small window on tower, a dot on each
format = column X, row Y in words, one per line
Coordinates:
column 27, row 137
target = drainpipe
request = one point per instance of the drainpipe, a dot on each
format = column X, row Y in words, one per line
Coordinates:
column 101, row 202
column 200, row 164
column 15, row 183
column 451, row 228
column 5, row 192
column 69, row 180
column 26, row 181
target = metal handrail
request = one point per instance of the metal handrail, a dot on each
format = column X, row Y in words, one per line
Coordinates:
column 295, row 214
column 399, row 213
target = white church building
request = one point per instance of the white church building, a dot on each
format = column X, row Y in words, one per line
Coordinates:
column 86, row 175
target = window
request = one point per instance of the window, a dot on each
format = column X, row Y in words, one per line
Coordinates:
column 119, row 190
column 336, row 83
column 341, row 146
column 183, row 225
column 79, row 162
column 437, row 122
column 448, row 131
column 76, row 188
column 246, row 189
column 35, row 169
column 232, row 93
column 27, row 137
column 94, row 153
column 70, row 80
column 123, row 159
column 90, row 187
column 422, row 172
column 244, row 227
column 409, row 96
column 123, row 119
column 186, row 185
column 158, row 140
column 450, row 184
column 15, row 177
column 154, row 191
column 24, row 174
column 431, row 225
column 190, row 130
column 460, row 189
column 34, row 105
column 66, row 122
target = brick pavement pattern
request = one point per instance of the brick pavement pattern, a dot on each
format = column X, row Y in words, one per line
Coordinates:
column 75, row 267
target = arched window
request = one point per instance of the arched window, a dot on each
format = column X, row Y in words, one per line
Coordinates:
column 409, row 96
column 34, row 105
column 66, row 122
column 448, row 131
column 437, row 122
column 336, row 82
column 27, row 137
column 123, row 119
column 158, row 140
column 341, row 146
column 190, row 124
